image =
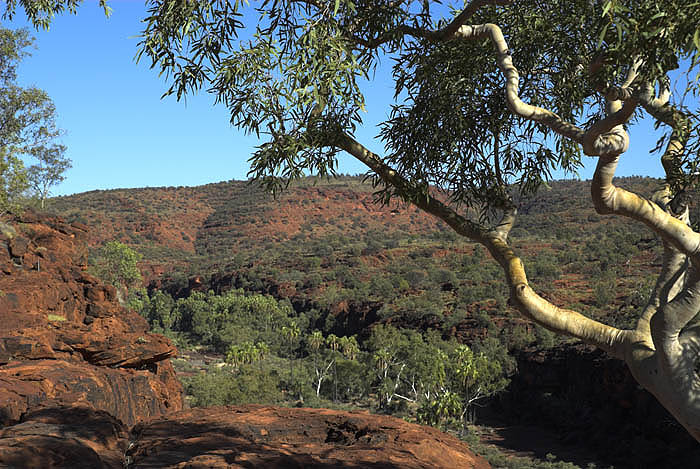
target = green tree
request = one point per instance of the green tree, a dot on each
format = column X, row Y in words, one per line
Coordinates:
column 291, row 334
column 27, row 131
column 48, row 171
column 477, row 377
column 41, row 13
column 246, row 353
column 249, row 384
column 443, row 408
column 160, row 311
column 488, row 105
column 117, row 264
column 322, row 359
column 233, row 318
column 349, row 347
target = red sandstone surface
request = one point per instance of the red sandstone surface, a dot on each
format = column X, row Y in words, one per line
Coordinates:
column 273, row 437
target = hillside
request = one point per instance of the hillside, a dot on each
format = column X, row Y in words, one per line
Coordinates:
column 84, row 385
column 329, row 243
column 343, row 263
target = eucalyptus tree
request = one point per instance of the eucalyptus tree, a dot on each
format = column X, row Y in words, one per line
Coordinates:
column 491, row 96
column 28, row 131
column 27, row 128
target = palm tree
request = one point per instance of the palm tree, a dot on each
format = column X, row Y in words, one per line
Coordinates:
column 315, row 340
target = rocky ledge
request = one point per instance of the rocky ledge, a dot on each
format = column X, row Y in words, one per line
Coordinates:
column 64, row 338
column 232, row 437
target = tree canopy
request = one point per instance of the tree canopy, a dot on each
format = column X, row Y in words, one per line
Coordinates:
column 28, row 131
column 117, row 264
column 491, row 96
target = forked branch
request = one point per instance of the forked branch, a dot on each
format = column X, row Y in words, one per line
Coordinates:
column 515, row 104
column 606, row 138
column 443, row 34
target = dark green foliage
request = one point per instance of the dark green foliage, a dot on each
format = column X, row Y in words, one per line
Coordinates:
column 545, row 338
column 218, row 321
column 233, row 318
column 415, row 308
column 350, row 379
column 248, row 384
column 545, row 267
column 159, row 311
column 605, row 288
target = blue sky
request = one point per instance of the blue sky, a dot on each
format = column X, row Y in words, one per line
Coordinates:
column 119, row 133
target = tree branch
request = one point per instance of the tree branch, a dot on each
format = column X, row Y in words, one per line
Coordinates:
column 607, row 135
column 667, row 323
column 515, row 104
column 502, row 229
column 443, row 34
column 529, row 303
column 417, row 196
column 663, row 111
column 609, row 199
column 667, row 286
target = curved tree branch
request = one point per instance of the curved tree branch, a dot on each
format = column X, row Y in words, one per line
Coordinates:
column 445, row 33
column 515, row 104
column 529, row 303
column 609, row 199
column 663, row 111
column 667, row 323
column 607, row 135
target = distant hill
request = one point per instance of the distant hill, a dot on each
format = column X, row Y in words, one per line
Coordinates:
column 328, row 247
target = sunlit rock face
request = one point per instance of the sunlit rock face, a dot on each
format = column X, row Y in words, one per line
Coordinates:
column 64, row 338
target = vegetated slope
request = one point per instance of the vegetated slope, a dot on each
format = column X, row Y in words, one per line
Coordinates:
column 81, row 377
column 346, row 263
column 327, row 244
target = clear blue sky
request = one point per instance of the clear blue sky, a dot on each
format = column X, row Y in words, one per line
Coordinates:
column 119, row 133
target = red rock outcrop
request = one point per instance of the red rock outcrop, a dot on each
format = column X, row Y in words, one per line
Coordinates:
column 272, row 437
column 64, row 338
column 69, row 437
column 231, row 437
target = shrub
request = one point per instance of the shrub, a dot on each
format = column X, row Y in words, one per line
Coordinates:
column 249, row 385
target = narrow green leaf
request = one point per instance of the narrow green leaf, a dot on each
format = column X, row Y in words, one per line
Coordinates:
column 602, row 36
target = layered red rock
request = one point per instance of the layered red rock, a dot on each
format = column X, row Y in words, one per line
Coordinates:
column 64, row 337
column 273, row 437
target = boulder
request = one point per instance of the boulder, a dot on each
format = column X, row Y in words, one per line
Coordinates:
column 272, row 437
column 69, row 437
column 127, row 394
